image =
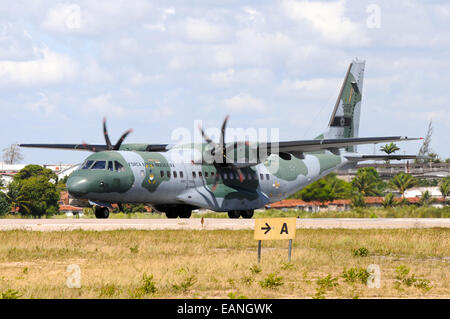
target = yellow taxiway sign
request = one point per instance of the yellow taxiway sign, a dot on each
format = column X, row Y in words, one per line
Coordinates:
column 274, row 228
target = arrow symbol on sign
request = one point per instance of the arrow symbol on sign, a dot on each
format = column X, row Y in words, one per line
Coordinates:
column 267, row 229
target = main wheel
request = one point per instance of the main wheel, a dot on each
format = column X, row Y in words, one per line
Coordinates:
column 171, row 214
column 247, row 214
column 101, row 212
column 185, row 213
column 234, row 214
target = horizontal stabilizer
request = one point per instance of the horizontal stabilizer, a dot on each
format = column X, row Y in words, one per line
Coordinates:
column 323, row 144
column 380, row 157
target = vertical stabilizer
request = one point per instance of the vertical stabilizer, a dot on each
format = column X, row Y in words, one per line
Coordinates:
column 344, row 121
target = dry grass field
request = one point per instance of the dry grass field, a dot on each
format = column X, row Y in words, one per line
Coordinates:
column 331, row 263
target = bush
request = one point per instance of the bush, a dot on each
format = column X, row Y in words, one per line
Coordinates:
column 10, row 294
column 355, row 274
column 361, row 252
column 403, row 278
column 186, row 284
column 272, row 281
column 5, row 206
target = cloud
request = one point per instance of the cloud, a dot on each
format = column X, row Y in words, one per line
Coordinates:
column 328, row 19
column 103, row 104
column 247, row 77
column 43, row 106
column 314, row 86
column 244, row 103
column 94, row 17
column 15, row 43
column 201, row 30
column 48, row 68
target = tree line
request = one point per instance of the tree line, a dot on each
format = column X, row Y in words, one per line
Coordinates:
column 366, row 183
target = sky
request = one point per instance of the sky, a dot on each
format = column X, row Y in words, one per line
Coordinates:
column 156, row 66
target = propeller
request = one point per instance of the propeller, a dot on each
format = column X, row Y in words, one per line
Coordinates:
column 220, row 152
column 115, row 147
column 109, row 146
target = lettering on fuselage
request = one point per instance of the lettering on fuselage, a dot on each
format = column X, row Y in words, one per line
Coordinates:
column 142, row 164
column 134, row 164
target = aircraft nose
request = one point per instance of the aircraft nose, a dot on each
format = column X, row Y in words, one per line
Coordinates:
column 77, row 186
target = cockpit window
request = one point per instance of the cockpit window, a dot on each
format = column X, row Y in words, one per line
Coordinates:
column 87, row 164
column 119, row 167
column 110, row 166
column 99, row 165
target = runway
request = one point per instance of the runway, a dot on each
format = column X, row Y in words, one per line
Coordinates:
column 214, row 223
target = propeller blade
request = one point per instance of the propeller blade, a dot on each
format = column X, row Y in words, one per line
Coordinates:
column 216, row 181
column 121, row 139
column 222, row 137
column 241, row 175
column 206, row 137
column 105, row 133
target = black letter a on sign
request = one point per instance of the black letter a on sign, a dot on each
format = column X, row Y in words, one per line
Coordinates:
column 284, row 229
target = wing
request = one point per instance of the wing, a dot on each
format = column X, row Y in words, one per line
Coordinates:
column 330, row 144
column 76, row 147
column 100, row 148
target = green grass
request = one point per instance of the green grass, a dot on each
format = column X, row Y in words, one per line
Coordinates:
column 395, row 212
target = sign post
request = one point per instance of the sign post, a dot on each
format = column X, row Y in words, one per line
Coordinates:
column 274, row 229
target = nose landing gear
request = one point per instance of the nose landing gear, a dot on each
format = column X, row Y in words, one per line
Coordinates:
column 101, row 212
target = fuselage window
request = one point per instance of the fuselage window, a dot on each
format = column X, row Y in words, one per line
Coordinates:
column 194, row 175
column 162, row 173
column 267, row 176
column 225, row 176
column 230, row 175
column 87, row 164
column 212, row 174
column 174, row 174
column 200, row 174
column 168, row 174
column 206, row 174
column 181, row 174
column 261, row 176
column 119, row 167
column 99, row 165
column 110, row 166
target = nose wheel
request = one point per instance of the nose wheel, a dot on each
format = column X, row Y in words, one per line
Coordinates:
column 101, row 212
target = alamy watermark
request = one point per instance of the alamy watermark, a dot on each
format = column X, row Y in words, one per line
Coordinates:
column 74, row 278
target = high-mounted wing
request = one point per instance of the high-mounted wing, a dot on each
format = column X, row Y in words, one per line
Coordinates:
column 100, row 148
column 108, row 147
column 76, row 147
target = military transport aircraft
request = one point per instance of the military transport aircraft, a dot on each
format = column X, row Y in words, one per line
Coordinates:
column 221, row 176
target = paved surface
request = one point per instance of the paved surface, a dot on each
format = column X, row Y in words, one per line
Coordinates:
column 213, row 223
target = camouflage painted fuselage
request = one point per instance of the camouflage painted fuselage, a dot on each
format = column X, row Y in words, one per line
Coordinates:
column 153, row 178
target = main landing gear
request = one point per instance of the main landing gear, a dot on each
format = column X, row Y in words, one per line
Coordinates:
column 247, row 214
column 101, row 212
column 182, row 212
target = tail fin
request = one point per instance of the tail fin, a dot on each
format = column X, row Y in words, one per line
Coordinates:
column 344, row 122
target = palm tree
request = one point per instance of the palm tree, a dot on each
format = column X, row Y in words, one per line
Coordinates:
column 402, row 182
column 389, row 200
column 366, row 183
column 425, row 199
column 16, row 198
column 389, row 149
